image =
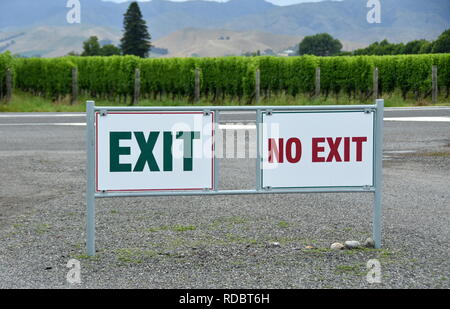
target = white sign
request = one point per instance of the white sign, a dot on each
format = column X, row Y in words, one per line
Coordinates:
column 317, row 149
column 148, row 151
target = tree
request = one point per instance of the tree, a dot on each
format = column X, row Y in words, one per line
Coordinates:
column 442, row 44
column 321, row 44
column 109, row 50
column 136, row 38
column 414, row 47
column 91, row 47
column 426, row 48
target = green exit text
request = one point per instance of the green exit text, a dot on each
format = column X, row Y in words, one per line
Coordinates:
column 146, row 148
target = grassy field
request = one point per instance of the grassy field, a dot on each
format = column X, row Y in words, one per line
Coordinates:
column 23, row 102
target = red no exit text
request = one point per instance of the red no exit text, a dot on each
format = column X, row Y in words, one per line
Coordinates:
column 291, row 150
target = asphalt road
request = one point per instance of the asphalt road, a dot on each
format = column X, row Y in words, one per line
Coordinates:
column 221, row 242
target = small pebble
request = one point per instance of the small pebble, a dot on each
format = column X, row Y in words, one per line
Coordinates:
column 369, row 243
column 337, row 246
column 352, row 244
column 274, row 245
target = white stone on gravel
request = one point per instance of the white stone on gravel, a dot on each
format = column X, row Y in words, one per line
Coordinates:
column 274, row 245
column 337, row 246
column 369, row 243
column 352, row 244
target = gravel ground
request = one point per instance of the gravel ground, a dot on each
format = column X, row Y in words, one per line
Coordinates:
column 220, row 242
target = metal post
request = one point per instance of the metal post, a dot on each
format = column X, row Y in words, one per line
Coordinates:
column 434, row 91
column 9, row 85
column 197, row 85
column 90, row 173
column 317, row 91
column 375, row 83
column 258, row 86
column 137, row 86
column 216, row 144
column 74, row 97
column 258, row 149
column 378, row 165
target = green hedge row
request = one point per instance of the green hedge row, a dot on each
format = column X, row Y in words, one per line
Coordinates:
column 44, row 77
column 112, row 77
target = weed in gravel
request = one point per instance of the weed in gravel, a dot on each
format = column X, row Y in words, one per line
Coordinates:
column 184, row 228
column 42, row 228
column 134, row 255
column 354, row 270
column 283, row 224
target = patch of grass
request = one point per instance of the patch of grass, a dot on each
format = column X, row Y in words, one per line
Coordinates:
column 152, row 229
column 25, row 102
column 317, row 250
column 18, row 225
column 354, row 270
column 114, row 212
column 134, row 255
column 42, row 228
column 283, row 224
column 184, row 228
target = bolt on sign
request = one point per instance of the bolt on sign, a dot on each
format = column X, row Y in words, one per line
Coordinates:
column 147, row 151
column 317, row 149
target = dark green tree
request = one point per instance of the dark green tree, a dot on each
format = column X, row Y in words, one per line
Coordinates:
column 321, row 44
column 136, row 38
column 109, row 50
column 91, row 47
column 442, row 44
column 414, row 47
column 426, row 48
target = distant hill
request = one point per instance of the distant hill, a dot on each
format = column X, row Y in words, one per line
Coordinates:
column 220, row 42
column 55, row 41
column 402, row 20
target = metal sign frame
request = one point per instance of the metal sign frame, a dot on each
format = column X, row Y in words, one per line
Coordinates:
column 376, row 188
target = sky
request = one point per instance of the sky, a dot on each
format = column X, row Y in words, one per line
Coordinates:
column 277, row 2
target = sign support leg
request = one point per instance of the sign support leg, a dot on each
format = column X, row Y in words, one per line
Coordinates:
column 378, row 174
column 216, row 145
column 90, row 171
column 258, row 150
